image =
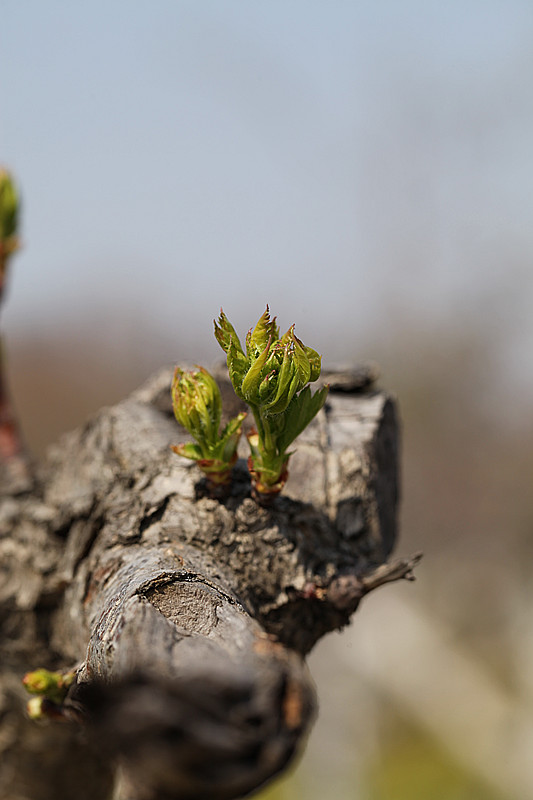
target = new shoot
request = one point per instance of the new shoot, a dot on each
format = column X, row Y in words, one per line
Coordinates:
column 272, row 377
column 197, row 406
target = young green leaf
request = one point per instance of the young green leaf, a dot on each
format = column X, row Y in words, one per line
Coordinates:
column 300, row 412
column 189, row 450
column 265, row 331
column 237, row 365
column 252, row 379
column 301, row 361
column 225, row 332
column 315, row 362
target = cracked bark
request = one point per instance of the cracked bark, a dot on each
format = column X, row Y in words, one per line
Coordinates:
column 189, row 618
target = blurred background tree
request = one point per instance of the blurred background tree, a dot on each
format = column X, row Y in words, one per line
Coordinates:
column 366, row 168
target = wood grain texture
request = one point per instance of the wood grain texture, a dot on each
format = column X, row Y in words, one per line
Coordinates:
column 189, row 617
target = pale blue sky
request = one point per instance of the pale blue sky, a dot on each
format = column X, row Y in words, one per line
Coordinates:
column 342, row 160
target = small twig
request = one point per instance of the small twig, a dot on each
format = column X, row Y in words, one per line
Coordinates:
column 400, row 569
column 346, row 591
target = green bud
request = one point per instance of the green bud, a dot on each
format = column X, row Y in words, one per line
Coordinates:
column 197, row 405
column 52, row 685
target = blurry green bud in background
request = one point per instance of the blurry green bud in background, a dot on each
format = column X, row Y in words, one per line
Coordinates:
column 9, row 213
column 52, row 685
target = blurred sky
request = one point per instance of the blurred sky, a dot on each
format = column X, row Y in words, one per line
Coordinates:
column 348, row 162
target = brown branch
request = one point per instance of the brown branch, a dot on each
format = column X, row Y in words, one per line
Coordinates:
column 190, row 618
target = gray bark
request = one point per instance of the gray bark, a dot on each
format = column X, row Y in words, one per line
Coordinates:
column 188, row 617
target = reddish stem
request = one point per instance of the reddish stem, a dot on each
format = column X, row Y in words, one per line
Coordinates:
column 15, row 471
column 263, row 493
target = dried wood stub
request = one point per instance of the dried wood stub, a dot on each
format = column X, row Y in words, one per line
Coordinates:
column 191, row 616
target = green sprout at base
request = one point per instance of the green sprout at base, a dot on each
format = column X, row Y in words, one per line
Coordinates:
column 51, row 689
column 197, row 406
column 272, row 376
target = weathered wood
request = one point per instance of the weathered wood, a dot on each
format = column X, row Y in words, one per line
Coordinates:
column 189, row 616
